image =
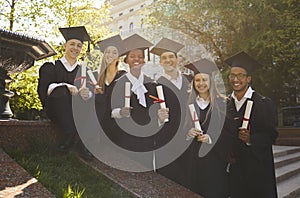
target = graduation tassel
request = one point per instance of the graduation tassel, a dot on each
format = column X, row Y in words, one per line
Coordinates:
column 148, row 53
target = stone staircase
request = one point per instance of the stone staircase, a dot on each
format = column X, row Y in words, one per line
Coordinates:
column 287, row 170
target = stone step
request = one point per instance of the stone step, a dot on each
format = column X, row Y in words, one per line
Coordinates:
column 279, row 151
column 287, row 171
column 286, row 187
column 286, row 159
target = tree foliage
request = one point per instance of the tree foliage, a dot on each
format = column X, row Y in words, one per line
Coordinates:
column 268, row 30
column 42, row 19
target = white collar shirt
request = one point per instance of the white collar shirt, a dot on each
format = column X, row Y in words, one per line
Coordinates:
column 239, row 103
column 177, row 82
column 67, row 65
column 202, row 104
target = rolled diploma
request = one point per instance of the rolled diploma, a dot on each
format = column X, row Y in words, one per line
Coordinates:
column 127, row 94
column 247, row 114
column 92, row 77
column 83, row 74
column 195, row 117
column 161, row 96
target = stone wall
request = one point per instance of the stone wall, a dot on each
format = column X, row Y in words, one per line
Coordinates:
column 19, row 134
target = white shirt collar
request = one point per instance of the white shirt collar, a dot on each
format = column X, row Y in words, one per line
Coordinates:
column 177, row 82
column 247, row 95
column 202, row 103
column 67, row 65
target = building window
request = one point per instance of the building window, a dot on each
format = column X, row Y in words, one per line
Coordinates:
column 131, row 27
column 120, row 28
column 121, row 14
column 131, row 10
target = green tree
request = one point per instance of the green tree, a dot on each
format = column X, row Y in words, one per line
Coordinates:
column 45, row 17
column 268, row 30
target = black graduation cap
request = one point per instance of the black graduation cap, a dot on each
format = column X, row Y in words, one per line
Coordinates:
column 202, row 66
column 135, row 41
column 243, row 60
column 115, row 41
column 166, row 45
column 78, row 33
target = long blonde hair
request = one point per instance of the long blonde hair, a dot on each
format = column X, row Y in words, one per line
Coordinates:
column 213, row 95
column 102, row 73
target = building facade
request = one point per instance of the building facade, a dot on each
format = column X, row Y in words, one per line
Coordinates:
column 126, row 14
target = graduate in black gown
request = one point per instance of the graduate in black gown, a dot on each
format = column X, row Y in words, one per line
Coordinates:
column 107, row 75
column 56, row 87
column 206, row 158
column 141, row 87
column 252, row 171
column 175, row 87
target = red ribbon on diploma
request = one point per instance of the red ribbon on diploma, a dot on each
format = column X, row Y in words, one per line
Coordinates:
column 92, row 83
column 195, row 116
column 80, row 78
column 245, row 119
column 156, row 99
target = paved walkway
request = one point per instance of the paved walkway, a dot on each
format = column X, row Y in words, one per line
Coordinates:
column 15, row 181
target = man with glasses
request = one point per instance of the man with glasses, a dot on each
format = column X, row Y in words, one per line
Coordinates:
column 252, row 166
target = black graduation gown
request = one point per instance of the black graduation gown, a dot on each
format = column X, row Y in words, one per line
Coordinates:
column 253, row 174
column 140, row 119
column 176, row 100
column 207, row 174
column 57, row 105
column 103, row 103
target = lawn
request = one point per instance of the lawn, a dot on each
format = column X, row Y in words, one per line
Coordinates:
column 65, row 175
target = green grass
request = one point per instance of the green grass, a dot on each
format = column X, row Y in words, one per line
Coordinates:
column 65, row 175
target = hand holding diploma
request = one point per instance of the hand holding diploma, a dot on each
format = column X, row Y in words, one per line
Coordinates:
column 244, row 135
column 163, row 114
column 73, row 89
column 84, row 93
column 125, row 111
column 193, row 132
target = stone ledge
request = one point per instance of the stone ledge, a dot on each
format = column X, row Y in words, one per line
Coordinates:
column 18, row 134
column 288, row 136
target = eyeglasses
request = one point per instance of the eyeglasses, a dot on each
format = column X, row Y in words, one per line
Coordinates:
column 238, row 76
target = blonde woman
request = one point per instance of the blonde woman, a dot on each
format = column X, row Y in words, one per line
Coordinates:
column 207, row 154
column 107, row 75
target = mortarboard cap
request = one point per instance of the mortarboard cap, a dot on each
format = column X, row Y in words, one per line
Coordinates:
column 115, row 41
column 166, row 45
column 202, row 66
column 243, row 60
column 78, row 33
column 135, row 41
